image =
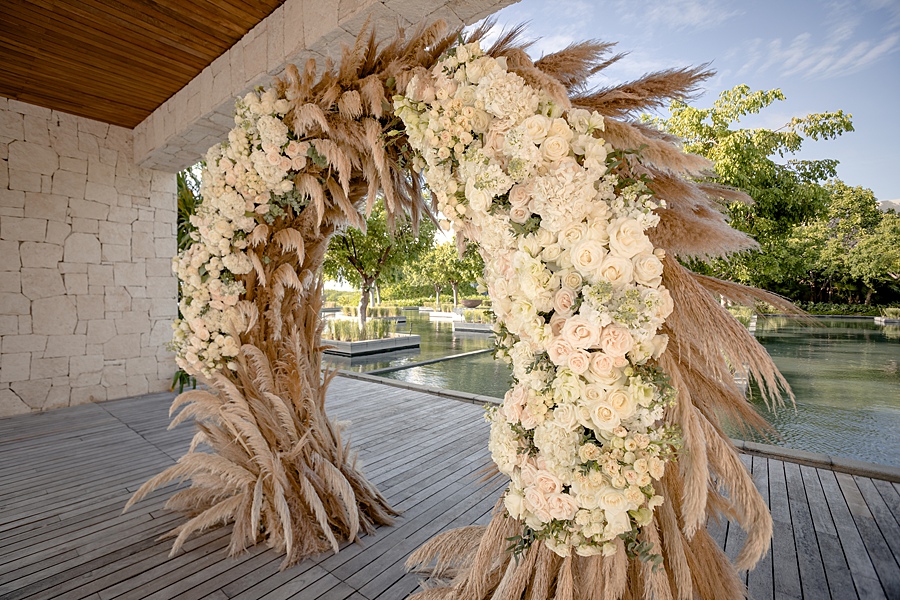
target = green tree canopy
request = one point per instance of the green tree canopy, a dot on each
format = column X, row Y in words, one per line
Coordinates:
column 361, row 259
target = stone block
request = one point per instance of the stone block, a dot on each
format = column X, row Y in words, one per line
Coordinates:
column 86, row 370
column 23, row 230
column 87, row 209
column 163, row 200
column 9, row 256
column 40, row 255
column 127, row 274
column 58, row 397
column 12, row 198
column 33, row 392
column 67, row 183
column 164, row 308
column 14, row 304
column 82, row 248
column 12, row 125
column 76, row 284
column 75, row 165
column 293, row 34
column 142, row 245
column 132, row 322
column 100, row 331
column 46, row 206
column 113, row 373
column 9, row 325
column 25, row 324
column 87, row 143
column 100, row 275
column 85, row 395
column 115, row 252
column 33, row 158
column 17, row 344
column 36, row 130
column 48, row 368
column 160, row 334
column 100, row 173
column 25, row 181
column 162, row 287
column 46, row 184
column 57, row 232
column 158, row 267
column 166, row 247
column 137, row 385
column 131, row 186
column 90, row 307
column 29, row 109
column 86, row 226
column 15, row 367
column 65, row 345
column 145, row 365
column 54, row 316
column 121, row 140
column 12, row 212
column 42, row 283
column 10, row 282
column 123, row 346
column 119, row 214
column 117, row 299
column 115, row 233
column 10, row 403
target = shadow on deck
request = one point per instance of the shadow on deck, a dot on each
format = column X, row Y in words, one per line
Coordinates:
column 65, row 476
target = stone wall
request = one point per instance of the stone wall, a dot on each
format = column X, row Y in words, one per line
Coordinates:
column 87, row 293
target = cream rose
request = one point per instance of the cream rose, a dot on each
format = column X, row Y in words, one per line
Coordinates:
column 621, row 402
column 519, row 195
column 627, row 239
column 551, row 252
column 594, row 393
column 579, row 361
column 554, row 148
column 571, row 279
column 565, row 416
column 589, row 451
column 536, row 503
column 616, row 341
column 519, row 214
column 572, row 234
column 559, row 351
column 559, row 127
column 537, row 127
column 547, row 482
column 612, row 501
column 587, row 256
column 604, row 417
column 580, row 332
column 515, row 503
column 647, row 269
column 562, row 506
column 617, row 270
column 528, row 474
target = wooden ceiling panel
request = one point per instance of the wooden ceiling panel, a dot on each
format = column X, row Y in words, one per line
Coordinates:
column 115, row 60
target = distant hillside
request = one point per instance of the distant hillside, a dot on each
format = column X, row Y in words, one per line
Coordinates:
column 886, row 205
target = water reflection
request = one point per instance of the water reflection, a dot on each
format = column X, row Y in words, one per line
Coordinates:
column 844, row 372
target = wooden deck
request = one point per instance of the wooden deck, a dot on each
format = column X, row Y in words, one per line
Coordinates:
column 65, row 475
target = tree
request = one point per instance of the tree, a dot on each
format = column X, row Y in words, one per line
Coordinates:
column 361, row 259
column 785, row 194
column 876, row 258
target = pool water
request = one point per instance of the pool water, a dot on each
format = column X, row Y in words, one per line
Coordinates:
column 845, row 374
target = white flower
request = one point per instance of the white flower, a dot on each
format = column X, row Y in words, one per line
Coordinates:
column 627, row 239
column 616, row 341
column 537, row 127
column 555, row 148
column 617, row 270
column 587, row 256
column 647, row 269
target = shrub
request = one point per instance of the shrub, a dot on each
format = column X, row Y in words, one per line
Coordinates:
column 891, row 312
column 478, row 315
column 742, row 313
column 347, row 330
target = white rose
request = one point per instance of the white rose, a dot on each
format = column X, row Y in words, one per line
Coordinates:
column 621, row 402
column 563, row 301
column 514, row 502
column 551, row 253
column 560, row 128
column 579, row 361
column 594, row 393
column 571, row 279
column 559, row 351
column 666, row 304
column 547, row 482
column 579, row 118
column 588, row 452
column 555, row 148
column 572, row 234
column 519, row 214
column 536, row 503
column 565, row 416
column 616, row 341
column 587, row 256
column 659, row 344
column 537, row 127
column 562, row 506
column 617, row 270
column 580, row 332
column 612, row 501
column 519, row 195
column 604, row 417
column 627, row 239
column 481, row 120
column 647, row 269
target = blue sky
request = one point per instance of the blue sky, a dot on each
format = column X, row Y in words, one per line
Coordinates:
column 824, row 56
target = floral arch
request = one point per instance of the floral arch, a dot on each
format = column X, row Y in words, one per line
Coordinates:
column 623, row 359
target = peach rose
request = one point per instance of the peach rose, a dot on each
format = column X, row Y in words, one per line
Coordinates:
column 562, row 506
column 547, row 482
column 579, row 361
column 559, row 351
column 616, row 341
column 580, row 332
column 536, row 503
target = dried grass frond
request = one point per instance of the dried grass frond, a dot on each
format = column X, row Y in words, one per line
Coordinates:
column 573, row 65
column 652, row 91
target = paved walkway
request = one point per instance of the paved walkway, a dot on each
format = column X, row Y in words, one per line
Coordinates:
column 65, row 476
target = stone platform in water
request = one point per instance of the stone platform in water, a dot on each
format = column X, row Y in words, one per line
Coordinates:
column 65, row 476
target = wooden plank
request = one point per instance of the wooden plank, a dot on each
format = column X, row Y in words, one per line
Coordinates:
column 784, row 553
column 882, row 514
column 890, row 496
column 760, row 581
column 837, row 572
column 865, row 579
column 885, row 563
column 812, row 572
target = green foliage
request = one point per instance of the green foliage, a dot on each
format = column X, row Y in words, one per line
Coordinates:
column 441, row 266
column 373, row 311
column 742, row 313
column 478, row 315
column 188, row 195
column 182, row 379
column 345, row 330
column 891, row 313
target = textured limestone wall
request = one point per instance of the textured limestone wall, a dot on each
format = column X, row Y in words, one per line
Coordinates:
column 87, row 294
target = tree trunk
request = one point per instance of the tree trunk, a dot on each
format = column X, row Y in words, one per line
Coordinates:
column 437, row 297
column 364, row 302
column 377, row 294
column 455, row 286
column 869, row 293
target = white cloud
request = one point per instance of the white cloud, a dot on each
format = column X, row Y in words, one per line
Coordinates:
column 680, row 14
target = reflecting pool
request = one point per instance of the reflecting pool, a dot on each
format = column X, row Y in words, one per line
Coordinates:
column 845, row 374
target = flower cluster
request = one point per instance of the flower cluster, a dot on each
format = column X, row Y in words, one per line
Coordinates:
column 576, row 287
column 245, row 180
